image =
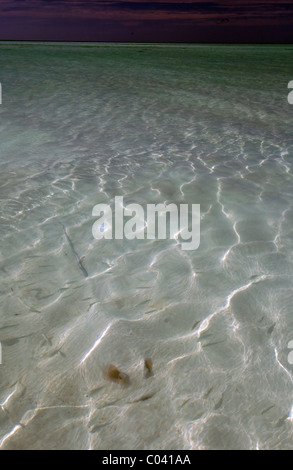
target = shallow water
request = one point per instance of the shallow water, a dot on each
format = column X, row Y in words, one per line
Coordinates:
column 208, row 125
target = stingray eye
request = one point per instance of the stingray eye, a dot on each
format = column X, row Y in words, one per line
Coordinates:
column 148, row 367
column 113, row 374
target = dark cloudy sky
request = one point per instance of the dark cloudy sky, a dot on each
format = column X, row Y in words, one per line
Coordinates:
column 151, row 21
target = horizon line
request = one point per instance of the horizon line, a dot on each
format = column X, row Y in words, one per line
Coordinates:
column 50, row 41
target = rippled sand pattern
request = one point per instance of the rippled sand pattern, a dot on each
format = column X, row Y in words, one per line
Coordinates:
column 209, row 125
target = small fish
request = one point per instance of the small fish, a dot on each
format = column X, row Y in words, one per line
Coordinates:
column 113, row 374
column 148, row 367
column 143, row 398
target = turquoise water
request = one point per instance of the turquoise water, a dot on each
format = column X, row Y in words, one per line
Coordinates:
column 202, row 124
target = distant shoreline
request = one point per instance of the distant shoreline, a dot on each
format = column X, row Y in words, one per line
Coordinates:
column 134, row 44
